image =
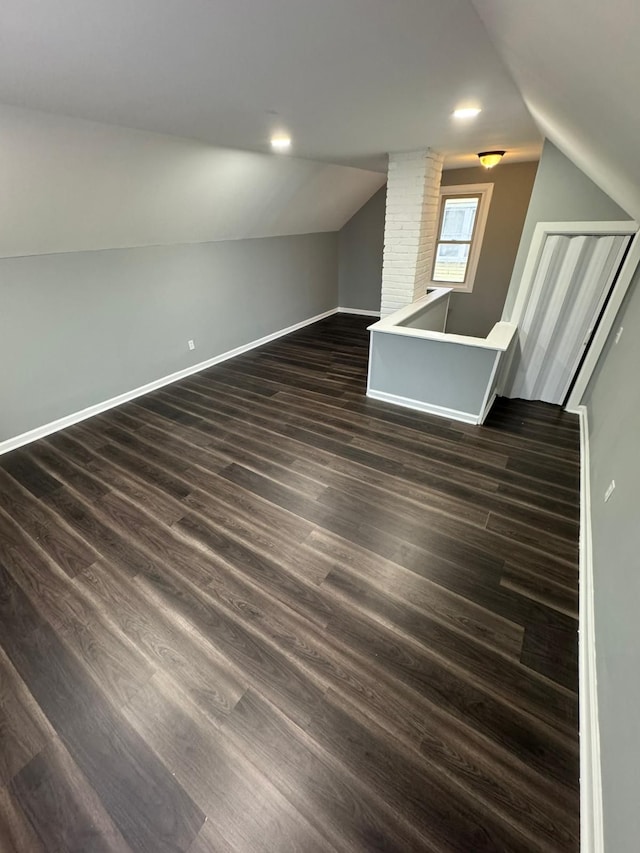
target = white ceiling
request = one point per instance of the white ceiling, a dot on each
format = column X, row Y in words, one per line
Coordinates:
column 577, row 63
column 350, row 79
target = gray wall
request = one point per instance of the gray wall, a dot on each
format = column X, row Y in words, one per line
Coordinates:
column 613, row 402
column 561, row 193
column 453, row 376
column 433, row 318
column 361, row 243
column 79, row 328
column 476, row 313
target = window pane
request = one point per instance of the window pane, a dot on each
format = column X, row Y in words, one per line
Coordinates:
column 458, row 218
column 451, row 262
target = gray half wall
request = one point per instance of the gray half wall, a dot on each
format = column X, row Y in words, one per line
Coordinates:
column 361, row 243
column 613, row 404
column 79, row 328
column 439, row 373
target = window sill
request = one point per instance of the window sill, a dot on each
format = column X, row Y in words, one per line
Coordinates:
column 450, row 286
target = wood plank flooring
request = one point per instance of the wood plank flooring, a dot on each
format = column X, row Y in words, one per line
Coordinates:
column 255, row 611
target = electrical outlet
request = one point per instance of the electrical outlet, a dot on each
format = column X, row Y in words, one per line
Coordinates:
column 619, row 333
column 191, row 344
column 609, row 491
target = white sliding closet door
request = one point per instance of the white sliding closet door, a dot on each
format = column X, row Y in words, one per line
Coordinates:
column 572, row 280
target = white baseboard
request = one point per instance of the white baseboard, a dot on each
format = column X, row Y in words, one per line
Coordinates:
column 419, row 406
column 360, row 311
column 98, row 408
column 591, row 822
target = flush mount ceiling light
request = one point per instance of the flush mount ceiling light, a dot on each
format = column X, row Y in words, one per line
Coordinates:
column 467, row 112
column 280, row 142
column 489, row 159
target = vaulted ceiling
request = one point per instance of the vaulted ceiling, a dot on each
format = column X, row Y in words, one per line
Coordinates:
column 577, row 64
column 350, row 79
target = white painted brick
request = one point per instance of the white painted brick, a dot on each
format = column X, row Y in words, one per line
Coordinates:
column 393, row 219
column 400, row 301
column 390, row 272
column 404, row 203
column 403, row 238
column 408, row 247
column 396, row 261
column 396, row 281
column 399, row 286
column 397, row 292
column 410, row 251
column 408, row 212
column 410, row 224
column 402, row 180
column 403, row 231
column 411, row 247
column 397, row 242
column 410, row 244
column 397, row 267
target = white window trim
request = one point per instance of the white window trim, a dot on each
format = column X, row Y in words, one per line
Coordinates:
column 485, row 191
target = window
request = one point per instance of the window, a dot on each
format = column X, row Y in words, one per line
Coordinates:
column 461, row 222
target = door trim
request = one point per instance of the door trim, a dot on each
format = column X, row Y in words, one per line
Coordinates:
column 625, row 277
column 631, row 262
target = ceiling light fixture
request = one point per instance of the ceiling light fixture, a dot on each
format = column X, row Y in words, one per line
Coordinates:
column 280, row 142
column 466, row 112
column 489, row 159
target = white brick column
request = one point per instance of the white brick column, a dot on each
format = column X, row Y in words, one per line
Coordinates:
column 411, row 220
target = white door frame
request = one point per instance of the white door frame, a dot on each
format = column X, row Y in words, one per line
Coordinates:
column 629, row 267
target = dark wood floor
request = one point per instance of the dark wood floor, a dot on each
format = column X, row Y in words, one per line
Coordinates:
column 255, row 611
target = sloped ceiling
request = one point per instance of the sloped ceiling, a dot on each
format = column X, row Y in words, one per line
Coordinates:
column 577, row 64
column 71, row 185
column 350, row 79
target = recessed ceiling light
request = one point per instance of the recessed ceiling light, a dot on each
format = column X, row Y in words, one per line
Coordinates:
column 280, row 142
column 467, row 112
